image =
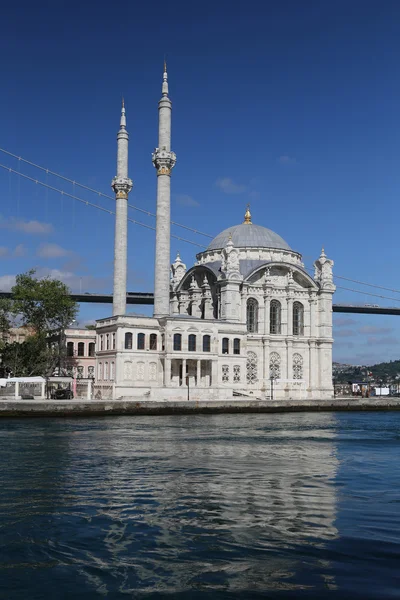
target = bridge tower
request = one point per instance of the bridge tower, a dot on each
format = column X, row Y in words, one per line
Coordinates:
column 121, row 185
column 164, row 160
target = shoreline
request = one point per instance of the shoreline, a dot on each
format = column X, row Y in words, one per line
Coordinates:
column 96, row 408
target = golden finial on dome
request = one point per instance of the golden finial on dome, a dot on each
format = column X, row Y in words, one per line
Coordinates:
column 247, row 216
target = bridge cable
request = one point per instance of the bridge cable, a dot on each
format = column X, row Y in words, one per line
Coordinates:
column 98, row 193
column 91, row 204
column 153, row 215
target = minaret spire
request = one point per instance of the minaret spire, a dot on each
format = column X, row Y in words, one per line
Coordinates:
column 165, row 80
column 121, row 185
column 164, row 160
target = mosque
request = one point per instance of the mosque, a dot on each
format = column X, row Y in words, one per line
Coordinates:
column 246, row 320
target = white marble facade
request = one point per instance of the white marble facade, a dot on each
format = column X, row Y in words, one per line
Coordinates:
column 246, row 320
column 242, row 315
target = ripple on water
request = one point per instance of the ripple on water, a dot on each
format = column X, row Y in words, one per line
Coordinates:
column 224, row 506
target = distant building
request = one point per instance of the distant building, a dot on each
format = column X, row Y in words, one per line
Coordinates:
column 80, row 345
column 18, row 334
column 81, row 353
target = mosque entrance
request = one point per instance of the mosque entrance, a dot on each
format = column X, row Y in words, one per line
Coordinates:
column 196, row 373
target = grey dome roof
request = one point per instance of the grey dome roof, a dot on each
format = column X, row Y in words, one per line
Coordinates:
column 248, row 235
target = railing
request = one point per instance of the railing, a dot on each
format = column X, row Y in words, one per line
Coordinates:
column 103, row 391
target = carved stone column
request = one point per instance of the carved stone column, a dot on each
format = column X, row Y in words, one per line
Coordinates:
column 266, row 311
column 198, row 380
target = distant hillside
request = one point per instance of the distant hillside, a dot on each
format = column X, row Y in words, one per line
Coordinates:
column 388, row 372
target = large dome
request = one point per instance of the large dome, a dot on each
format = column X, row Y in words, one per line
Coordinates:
column 248, row 235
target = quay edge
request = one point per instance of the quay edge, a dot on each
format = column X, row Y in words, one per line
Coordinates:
column 135, row 407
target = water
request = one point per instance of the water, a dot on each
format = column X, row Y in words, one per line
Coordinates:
column 226, row 506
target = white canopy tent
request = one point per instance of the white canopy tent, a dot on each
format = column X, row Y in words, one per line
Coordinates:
column 28, row 381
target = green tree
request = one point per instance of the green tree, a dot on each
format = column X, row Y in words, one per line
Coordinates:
column 6, row 319
column 44, row 304
column 34, row 356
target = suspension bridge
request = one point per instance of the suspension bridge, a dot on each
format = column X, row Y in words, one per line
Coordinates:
column 147, row 298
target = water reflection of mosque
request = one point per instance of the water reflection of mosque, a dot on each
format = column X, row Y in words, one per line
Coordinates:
column 224, row 495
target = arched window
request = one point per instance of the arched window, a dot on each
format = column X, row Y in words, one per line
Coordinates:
column 192, row 343
column 153, row 341
column 297, row 366
column 91, row 349
column 177, row 341
column 128, row 341
column 100, row 371
column 236, row 346
column 81, row 349
column 106, row 371
column 102, row 342
column 113, row 341
column 107, row 341
column 298, row 318
column 274, row 365
column 112, row 371
column 225, row 345
column 70, row 349
column 206, row 343
column 275, row 317
column 140, row 341
column 251, row 367
column 252, row 315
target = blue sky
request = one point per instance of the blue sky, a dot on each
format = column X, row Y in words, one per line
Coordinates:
column 292, row 106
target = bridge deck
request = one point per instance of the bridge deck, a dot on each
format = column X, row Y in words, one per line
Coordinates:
column 148, row 298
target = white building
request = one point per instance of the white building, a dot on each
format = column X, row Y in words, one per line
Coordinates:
column 246, row 319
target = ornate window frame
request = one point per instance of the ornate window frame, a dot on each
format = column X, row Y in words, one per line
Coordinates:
column 192, row 342
column 177, row 342
column 298, row 363
column 141, row 341
column 252, row 368
column 275, row 317
column 206, row 343
column 128, row 340
column 298, row 318
column 252, row 315
column 274, row 365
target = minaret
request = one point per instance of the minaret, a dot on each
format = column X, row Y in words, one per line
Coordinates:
column 121, row 185
column 164, row 161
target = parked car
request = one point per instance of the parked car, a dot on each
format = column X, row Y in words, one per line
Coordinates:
column 62, row 394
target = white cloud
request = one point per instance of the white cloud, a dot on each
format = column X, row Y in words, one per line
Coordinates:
column 371, row 329
column 343, row 322
column 3, row 251
column 76, row 283
column 286, row 160
column 344, row 333
column 6, row 282
column 19, row 250
column 32, row 227
column 186, row 200
column 52, row 251
column 227, row 185
column 382, row 341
